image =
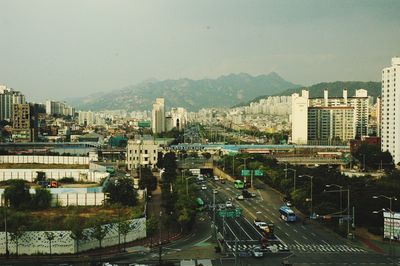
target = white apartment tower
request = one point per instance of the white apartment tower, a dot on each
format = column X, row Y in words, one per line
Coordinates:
column 390, row 122
column 300, row 117
column 158, row 116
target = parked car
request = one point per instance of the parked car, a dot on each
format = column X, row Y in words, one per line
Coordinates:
column 203, row 187
column 257, row 253
column 229, row 204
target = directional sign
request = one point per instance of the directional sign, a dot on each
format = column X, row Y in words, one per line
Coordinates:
column 258, row 173
column 245, row 172
column 230, row 213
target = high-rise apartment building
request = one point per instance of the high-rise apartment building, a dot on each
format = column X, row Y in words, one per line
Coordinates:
column 25, row 123
column 9, row 97
column 158, row 116
column 59, row 108
column 326, row 121
column 390, row 122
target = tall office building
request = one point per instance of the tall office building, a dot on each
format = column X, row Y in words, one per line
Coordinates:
column 25, row 123
column 9, row 97
column 390, row 122
column 158, row 116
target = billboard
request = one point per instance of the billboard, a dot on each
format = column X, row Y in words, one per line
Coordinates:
column 391, row 223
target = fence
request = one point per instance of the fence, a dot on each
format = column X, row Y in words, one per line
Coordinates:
column 42, row 159
column 36, row 242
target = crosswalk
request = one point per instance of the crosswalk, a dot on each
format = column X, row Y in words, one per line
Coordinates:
column 298, row 248
column 325, row 248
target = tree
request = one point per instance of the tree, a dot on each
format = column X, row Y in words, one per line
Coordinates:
column 75, row 224
column 206, row 155
column 122, row 191
column 147, row 180
column 41, row 199
column 17, row 226
column 124, row 227
column 99, row 231
column 18, row 194
column 50, row 236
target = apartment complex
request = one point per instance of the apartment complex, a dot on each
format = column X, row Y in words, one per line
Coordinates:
column 142, row 151
column 389, row 100
column 9, row 97
column 162, row 121
column 25, row 123
column 326, row 121
column 59, row 108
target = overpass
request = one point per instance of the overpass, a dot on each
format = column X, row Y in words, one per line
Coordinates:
column 311, row 161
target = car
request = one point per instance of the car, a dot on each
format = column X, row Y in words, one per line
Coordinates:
column 289, row 203
column 216, row 178
column 253, row 195
column 239, row 197
column 257, row 253
column 215, row 191
column 203, row 187
column 229, row 204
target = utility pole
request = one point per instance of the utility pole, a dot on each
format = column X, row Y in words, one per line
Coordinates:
column 5, row 227
column 348, row 212
column 159, row 242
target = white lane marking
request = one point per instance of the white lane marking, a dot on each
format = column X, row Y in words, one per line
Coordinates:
column 325, row 242
column 313, row 234
column 230, row 229
column 287, row 234
column 244, row 230
column 295, row 230
column 259, row 193
column 302, row 226
column 305, row 237
column 297, row 242
column 255, row 229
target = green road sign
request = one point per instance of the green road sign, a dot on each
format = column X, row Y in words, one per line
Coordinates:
column 230, row 213
column 245, row 172
column 258, row 173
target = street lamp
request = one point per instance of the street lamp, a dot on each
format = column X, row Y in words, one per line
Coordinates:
column 348, row 203
column 294, row 176
column 311, row 200
column 391, row 215
column 340, row 191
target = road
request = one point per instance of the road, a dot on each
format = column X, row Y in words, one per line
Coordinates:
column 308, row 242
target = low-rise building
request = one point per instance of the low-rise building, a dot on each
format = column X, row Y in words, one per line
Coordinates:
column 142, row 151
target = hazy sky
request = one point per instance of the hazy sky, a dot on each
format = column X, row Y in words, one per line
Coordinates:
column 57, row 49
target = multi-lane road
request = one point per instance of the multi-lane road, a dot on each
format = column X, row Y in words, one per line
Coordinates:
column 305, row 242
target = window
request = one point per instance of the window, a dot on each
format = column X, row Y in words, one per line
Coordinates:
column 145, row 151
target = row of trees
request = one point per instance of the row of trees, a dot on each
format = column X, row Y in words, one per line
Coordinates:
column 18, row 223
column 178, row 206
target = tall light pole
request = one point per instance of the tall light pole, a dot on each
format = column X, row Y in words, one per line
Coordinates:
column 391, row 215
column 294, row 176
column 348, row 202
column 311, row 191
column 340, row 191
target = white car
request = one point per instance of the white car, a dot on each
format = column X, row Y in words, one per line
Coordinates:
column 229, row 204
column 240, row 197
column 203, row 187
column 216, row 178
column 257, row 253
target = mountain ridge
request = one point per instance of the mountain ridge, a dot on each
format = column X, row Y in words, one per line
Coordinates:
column 224, row 91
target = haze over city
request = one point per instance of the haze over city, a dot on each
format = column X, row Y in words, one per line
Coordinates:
column 63, row 49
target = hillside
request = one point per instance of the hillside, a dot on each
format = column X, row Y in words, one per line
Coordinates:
column 224, row 91
column 335, row 89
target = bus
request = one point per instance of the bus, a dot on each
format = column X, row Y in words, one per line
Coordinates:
column 239, row 184
column 287, row 214
column 199, row 204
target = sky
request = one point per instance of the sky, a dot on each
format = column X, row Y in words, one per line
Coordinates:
column 53, row 49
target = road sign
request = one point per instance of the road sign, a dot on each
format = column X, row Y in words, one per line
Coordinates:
column 258, row 173
column 245, row 172
column 230, row 213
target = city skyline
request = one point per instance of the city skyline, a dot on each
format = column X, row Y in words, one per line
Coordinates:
column 109, row 45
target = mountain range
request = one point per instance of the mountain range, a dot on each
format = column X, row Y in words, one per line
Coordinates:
column 224, row 91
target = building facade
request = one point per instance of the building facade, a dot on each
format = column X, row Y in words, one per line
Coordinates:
column 59, row 108
column 9, row 97
column 25, row 123
column 158, row 116
column 326, row 121
column 390, row 122
column 141, row 151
